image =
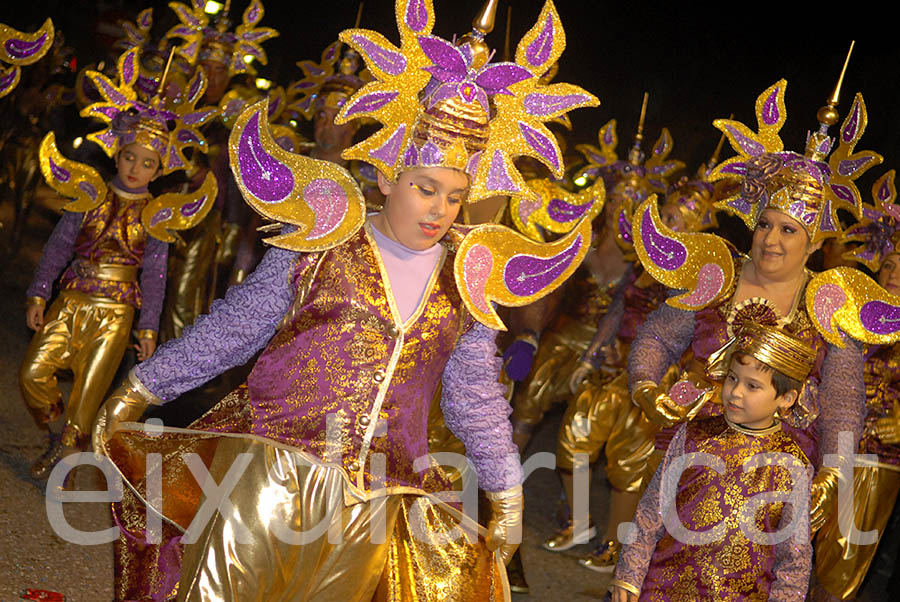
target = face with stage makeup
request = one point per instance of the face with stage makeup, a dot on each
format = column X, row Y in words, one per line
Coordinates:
column 781, row 246
column 421, row 205
column 137, row 165
column 889, row 273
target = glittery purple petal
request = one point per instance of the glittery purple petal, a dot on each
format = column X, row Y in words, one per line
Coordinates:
column 850, row 167
column 539, row 105
column 189, row 209
column 8, row 79
column 88, row 189
column 543, row 145
column 851, row 128
column 182, row 31
column 253, row 14
column 390, row 149
column 827, row 224
column 880, row 317
column 496, row 78
column 431, row 154
column 563, row 212
column 770, row 112
column 392, row 63
column 526, row 275
column 667, row 253
column 160, row 216
column 748, row 146
column 416, row 15
column 369, row 102
column 884, row 191
column 625, row 227
column 328, row 200
column 738, row 168
column 21, row 50
column 844, row 193
column 538, row 52
column 263, row 175
column 145, row 19
column 498, row 178
column 443, row 54
column 186, row 136
column 128, row 67
column 59, row 172
column 411, row 156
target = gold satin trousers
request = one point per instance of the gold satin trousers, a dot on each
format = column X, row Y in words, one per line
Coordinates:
column 362, row 551
column 602, row 415
column 840, row 565
column 86, row 334
column 556, row 358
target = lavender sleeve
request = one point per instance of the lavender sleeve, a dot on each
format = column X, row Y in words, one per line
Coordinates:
column 793, row 564
column 842, row 396
column 475, row 409
column 648, row 521
column 660, row 343
column 153, row 283
column 609, row 324
column 237, row 326
column 57, row 253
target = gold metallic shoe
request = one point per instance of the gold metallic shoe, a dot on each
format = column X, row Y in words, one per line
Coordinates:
column 604, row 557
column 565, row 538
column 53, row 454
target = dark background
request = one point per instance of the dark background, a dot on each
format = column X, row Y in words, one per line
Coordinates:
column 698, row 60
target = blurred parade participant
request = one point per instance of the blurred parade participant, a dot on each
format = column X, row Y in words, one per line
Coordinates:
column 358, row 320
column 841, row 566
column 118, row 235
column 220, row 53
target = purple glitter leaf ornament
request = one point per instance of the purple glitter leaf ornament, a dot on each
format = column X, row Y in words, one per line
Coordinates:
column 71, row 179
column 174, row 211
column 495, row 79
column 495, row 264
column 20, row 48
column 544, row 42
column 845, row 300
column 319, row 197
column 444, row 55
column 671, row 258
column 9, row 79
column 552, row 208
column 770, row 110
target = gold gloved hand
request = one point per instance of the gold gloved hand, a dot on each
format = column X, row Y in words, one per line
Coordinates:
column 126, row 404
column 823, row 496
column 887, row 429
column 505, row 528
column 657, row 405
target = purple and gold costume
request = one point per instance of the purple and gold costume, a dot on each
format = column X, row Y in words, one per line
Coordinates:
column 733, row 567
column 88, row 326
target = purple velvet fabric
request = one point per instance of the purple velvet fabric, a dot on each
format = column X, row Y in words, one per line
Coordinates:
column 58, row 252
column 238, row 325
column 475, row 409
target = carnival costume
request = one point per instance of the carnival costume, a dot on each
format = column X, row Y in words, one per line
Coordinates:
column 119, row 239
column 196, row 267
column 739, row 558
column 841, row 566
column 562, row 344
column 339, row 361
column 808, row 189
column 18, row 49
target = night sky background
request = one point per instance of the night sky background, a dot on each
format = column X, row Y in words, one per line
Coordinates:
column 698, row 61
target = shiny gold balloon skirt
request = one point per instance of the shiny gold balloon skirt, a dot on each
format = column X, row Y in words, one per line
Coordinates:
column 82, row 333
column 840, row 565
column 296, row 533
column 603, row 416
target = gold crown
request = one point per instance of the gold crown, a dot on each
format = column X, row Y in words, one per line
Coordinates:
column 777, row 349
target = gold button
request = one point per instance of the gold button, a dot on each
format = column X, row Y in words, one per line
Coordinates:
column 364, row 420
column 354, row 466
column 392, row 331
column 379, row 376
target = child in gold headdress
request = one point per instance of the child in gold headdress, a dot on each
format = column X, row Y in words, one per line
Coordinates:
column 695, row 538
column 118, row 236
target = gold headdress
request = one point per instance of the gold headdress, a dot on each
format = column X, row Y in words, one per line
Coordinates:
column 149, row 124
column 443, row 105
column 17, row 49
column 801, row 186
column 203, row 42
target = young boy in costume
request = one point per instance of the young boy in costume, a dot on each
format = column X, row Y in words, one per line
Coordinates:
column 117, row 233
column 725, row 552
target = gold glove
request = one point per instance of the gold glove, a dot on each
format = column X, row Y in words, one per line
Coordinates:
column 824, row 491
column 657, row 405
column 505, row 529
column 126, row 404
